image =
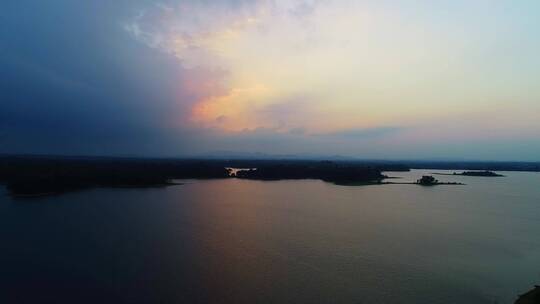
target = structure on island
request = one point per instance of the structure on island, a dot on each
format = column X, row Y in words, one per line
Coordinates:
column 427, row 180
column 531, row 297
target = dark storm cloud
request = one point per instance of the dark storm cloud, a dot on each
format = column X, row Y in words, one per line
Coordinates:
column 74, row 81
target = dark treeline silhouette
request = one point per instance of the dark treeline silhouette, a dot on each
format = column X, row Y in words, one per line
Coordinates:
column 484, row 173
column 48, row 175
column 324, row 170
column 479, row 173
column 427, row 180
column 33, row 175
column 39, row 175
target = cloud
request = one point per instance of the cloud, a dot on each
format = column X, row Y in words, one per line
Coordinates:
column 194, row 30
column 303, row 9
column 74, row 83
column 175, row 77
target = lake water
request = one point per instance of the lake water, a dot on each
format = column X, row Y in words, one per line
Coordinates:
column 307, row 241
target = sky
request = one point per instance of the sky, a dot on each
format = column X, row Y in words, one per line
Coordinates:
column 366, row 79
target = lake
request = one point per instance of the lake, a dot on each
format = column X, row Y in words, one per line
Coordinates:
column 305, row 241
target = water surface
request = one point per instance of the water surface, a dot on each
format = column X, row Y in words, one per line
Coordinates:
column 307, row 241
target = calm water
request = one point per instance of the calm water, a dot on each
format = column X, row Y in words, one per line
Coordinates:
column 238, row 241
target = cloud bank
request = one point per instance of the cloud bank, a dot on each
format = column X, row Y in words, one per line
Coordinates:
column 381, row 79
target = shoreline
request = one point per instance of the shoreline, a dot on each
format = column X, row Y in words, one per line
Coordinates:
column 17, row 195
column 397, row 183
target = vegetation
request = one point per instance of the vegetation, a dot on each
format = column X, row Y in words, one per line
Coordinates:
column 479, row 173
column 326, row 171
column 25, row 176
column 40, row 175
column 427, row 180
column 35, row 176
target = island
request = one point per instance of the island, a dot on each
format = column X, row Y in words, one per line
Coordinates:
column 325, row 171
column 484, row 173
column 428, row 180
column 479, row 173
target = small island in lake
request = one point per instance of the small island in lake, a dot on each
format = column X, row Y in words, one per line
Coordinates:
column 479, row 173
column 484, row 173
column 428, row 180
